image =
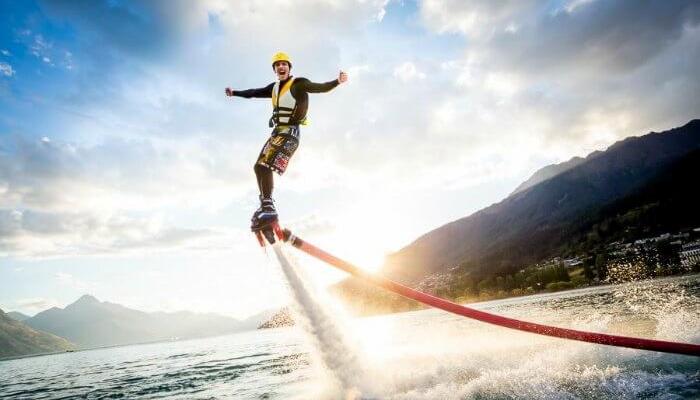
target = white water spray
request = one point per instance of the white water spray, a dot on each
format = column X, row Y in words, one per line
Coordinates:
column 322, row 329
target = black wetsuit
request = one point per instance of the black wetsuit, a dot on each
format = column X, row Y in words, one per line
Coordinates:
column 300, row 89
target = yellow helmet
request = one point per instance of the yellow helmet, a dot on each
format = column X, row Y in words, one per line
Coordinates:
column 281, row 56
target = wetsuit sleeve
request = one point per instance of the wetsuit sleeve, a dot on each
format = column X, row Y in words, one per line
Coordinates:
column 265, row 92
column 307, row 86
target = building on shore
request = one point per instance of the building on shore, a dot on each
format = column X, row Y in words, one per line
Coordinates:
column 690, row 254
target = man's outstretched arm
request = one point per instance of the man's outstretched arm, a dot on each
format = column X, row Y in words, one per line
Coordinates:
column 265, row 92
column 313, row 87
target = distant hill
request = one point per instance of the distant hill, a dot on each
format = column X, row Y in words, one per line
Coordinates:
column 17, row 339
column 17, row 316
column 556, row 213
column 91, row 323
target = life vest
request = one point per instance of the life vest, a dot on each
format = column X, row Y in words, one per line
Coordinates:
column 283, row 103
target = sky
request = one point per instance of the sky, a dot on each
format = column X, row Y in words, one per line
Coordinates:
column 126, row 173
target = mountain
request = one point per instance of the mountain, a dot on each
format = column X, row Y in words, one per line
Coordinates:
column 557, row 213
column 17, row 339
column 91, row 323
column 17, row 316
column 550, row 171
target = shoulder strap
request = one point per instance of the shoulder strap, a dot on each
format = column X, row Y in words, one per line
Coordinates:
column 275, row 93
column 285, row 88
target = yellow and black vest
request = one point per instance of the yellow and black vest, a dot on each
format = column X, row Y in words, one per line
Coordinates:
column 283, row 104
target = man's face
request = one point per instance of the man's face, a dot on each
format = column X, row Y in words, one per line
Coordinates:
column 281, row 69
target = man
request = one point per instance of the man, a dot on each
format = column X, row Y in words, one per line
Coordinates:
column 290, row 102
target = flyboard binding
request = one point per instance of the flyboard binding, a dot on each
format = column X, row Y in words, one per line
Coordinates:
column 268, row 231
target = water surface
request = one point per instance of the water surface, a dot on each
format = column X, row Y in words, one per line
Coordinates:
column 418, row 355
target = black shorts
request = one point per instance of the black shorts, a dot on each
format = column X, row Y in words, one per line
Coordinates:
column 279, row 148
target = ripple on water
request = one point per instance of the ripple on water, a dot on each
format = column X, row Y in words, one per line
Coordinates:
column 421, row 355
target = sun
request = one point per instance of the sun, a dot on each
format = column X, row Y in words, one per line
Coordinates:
column 365, row 235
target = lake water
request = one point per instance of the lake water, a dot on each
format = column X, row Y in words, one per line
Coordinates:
column 418, row 355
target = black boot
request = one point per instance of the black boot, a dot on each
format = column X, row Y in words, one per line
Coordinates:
column 265, row 214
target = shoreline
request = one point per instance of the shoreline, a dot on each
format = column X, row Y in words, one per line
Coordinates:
column 472, row 301
column 119, row 345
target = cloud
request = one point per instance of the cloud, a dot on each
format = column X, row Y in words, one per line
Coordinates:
column 6, row 69
column 36, row 304
column 313, row 225
column 40, row 48
column 59, row 198
column 118, row 174
column 577, row 76
column 64, row 277
column 406, row 72
column 480, row 18
column 69, row 280
column 595, row 36
column 77, row 284
column 36, row 234
column 329, row 17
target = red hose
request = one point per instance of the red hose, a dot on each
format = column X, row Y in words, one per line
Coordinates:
column 564, row 333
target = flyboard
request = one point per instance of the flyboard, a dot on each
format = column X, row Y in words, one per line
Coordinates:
column 272, row 232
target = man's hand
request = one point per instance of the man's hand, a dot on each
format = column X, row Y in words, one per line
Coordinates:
column 342, row 77
column 229, row 92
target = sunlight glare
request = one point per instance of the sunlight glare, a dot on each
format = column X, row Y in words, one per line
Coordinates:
column 369, row 234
